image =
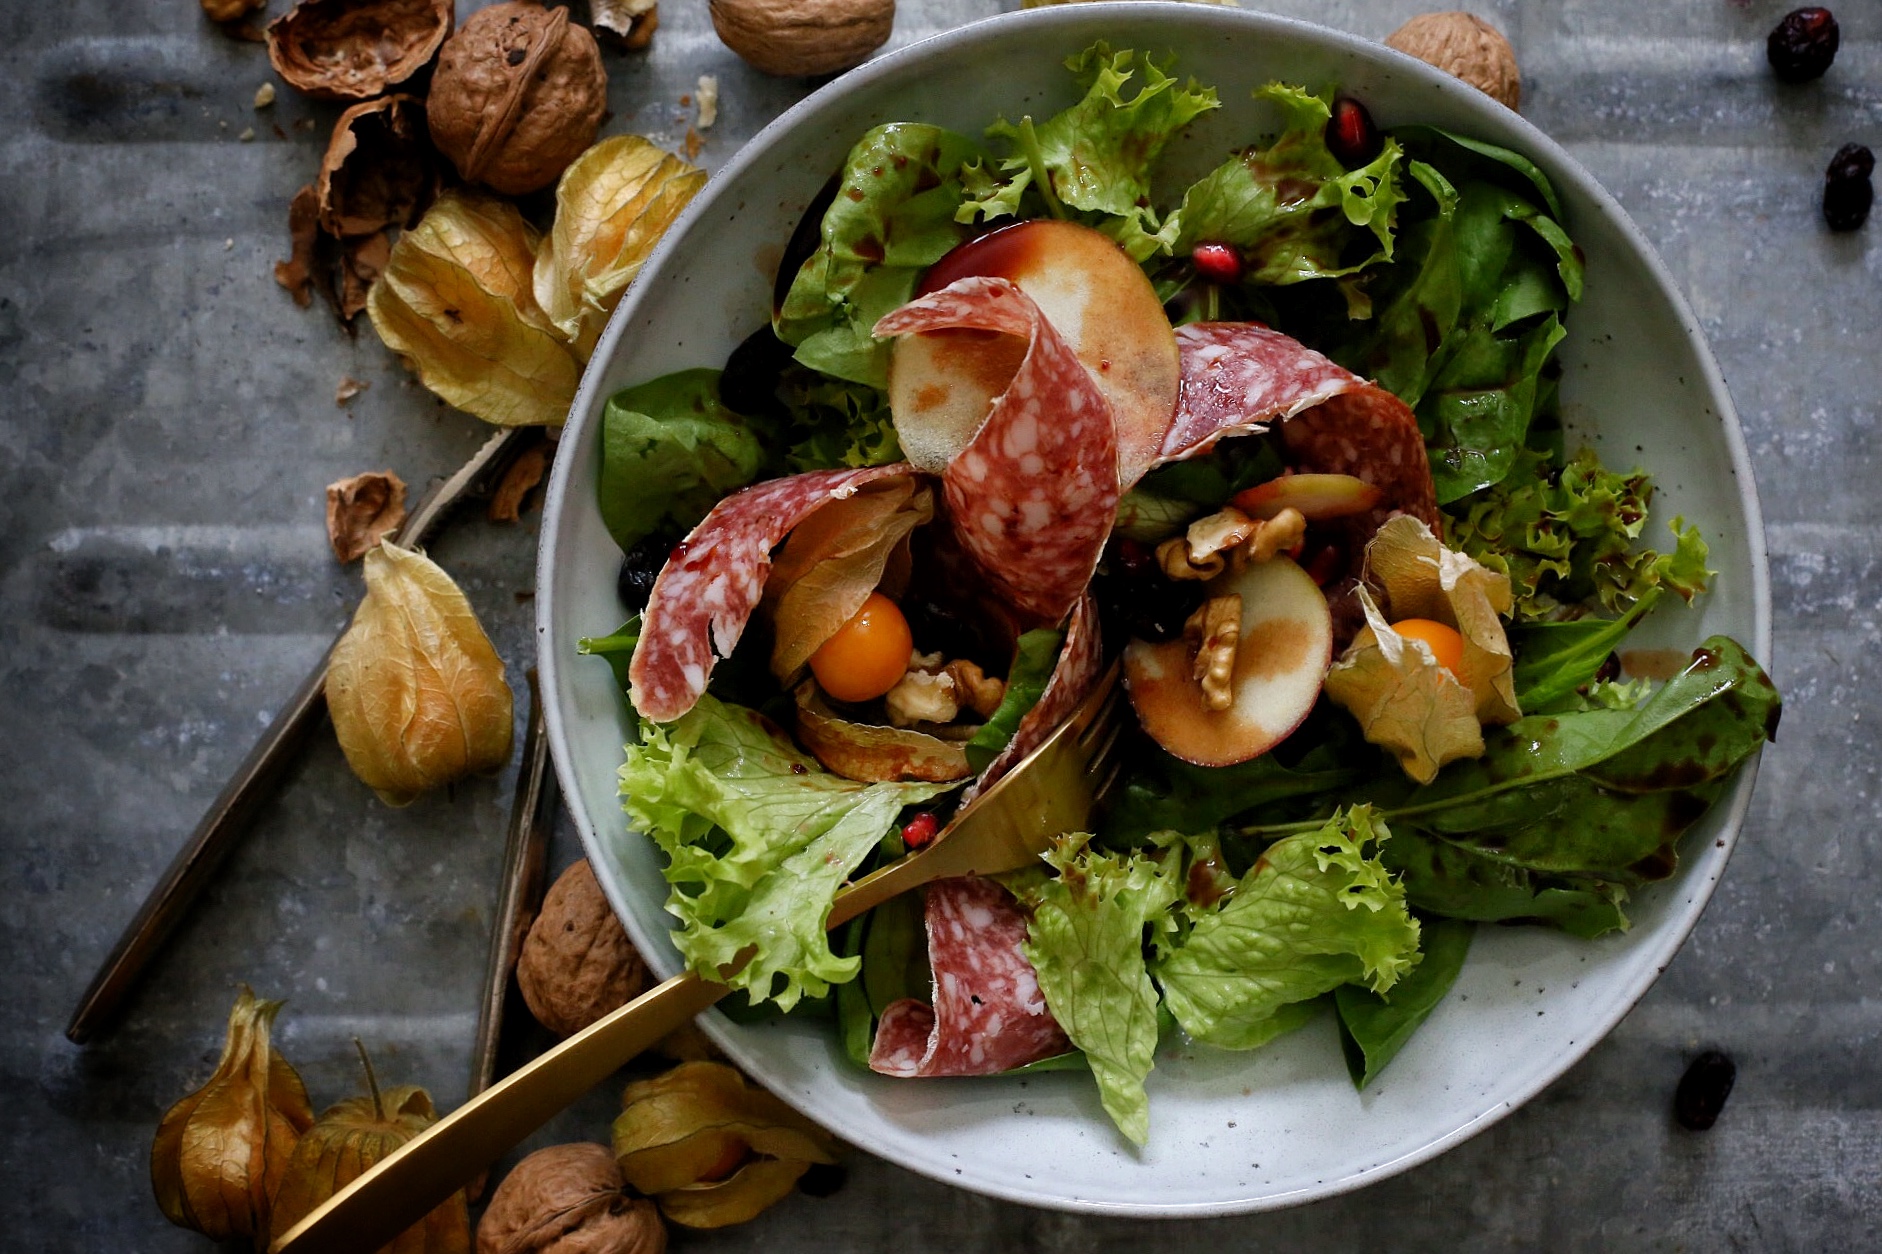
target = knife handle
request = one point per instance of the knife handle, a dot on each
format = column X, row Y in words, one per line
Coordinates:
column 195, row 863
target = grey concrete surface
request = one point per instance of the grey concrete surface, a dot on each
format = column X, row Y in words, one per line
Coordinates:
column 167, row 425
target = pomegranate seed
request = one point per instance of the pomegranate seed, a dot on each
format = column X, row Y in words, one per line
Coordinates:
column 919, row 830
column 1351, row 136
column 1218, row 263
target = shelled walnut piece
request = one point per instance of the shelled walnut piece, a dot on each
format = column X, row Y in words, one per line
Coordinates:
column 1228, row 535
column 1466, row 46
column 577, row 963
column 933, row 693
column 795, row 38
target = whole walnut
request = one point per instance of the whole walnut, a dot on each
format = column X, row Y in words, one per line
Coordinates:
column 569, row 1199
column 518, row 94
column 577, row 963
column 802, row 37
column 1466, row 46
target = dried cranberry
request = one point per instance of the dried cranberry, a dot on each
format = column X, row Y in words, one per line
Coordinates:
column 1351, row 136
column 1134, row 558
column 1218, row 263
column 919, row 830
column 1802, row 46
column 1847, row 191
column 1703, row 1089
column 639, row 569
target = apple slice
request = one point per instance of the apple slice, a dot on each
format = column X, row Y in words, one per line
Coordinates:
column 942, row 383
column 1286, row 647
column 1317, row 497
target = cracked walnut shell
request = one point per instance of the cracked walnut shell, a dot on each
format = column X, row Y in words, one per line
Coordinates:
column 356, row 49
column 569, row 1199
column 378, row 170
column 577, row 963
column 519, row 94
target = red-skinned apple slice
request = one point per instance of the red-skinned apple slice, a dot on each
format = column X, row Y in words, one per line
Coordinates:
column 1317, row 497
column 942, row 383
column 1285, row 649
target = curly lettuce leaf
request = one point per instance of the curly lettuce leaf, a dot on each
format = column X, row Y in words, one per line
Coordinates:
column 1033, row 662
column 893, row 217
column 1294, row 212
column 1097, row 156
column 1085, row 941
column 1375, row 1026
column 758, row 837
column 1318, row 910
column 1567, row 540
column 833, row 423
column 669, row 450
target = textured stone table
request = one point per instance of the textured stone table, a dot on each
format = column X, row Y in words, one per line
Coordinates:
column 169, row 425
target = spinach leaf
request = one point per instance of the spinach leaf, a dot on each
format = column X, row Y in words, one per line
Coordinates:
column 893, row 217
column 1554, row 659
column 616, row 648
column 1375, row 1026
column 1033, row 663
column 669, row 450
column 856, row 1025
column 1449, row 880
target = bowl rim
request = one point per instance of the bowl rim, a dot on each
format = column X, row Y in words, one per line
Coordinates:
column 589, row 401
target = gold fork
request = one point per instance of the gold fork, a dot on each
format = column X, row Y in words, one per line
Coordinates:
column 1006, row 828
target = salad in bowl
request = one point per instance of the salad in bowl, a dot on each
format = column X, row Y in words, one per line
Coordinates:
column 1282, row 438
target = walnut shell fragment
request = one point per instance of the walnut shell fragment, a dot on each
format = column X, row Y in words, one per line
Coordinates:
column 519, row 93
column 296, row 274
column 1466, row 46
column 356, row 49
column 629, row 24
column 797, row 38
column 230, row 10
column 506, row 503
column 577, row 963
column 362, row 510
column 455, row 302
column 378, row 170
column 569, row 1199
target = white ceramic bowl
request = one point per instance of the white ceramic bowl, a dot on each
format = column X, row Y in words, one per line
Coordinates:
column 1229, row 1132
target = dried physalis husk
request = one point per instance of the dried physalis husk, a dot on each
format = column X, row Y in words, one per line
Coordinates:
column 378, row 170
column 627, row 23
column 220, row 1152
column 455, row 303
column 711, row 1149
column 346, row 1141
column 611, row 207
column 415, row 689
column 577, row 963
column 356, row 49
column 519, row 92
column 569, row 1199
column 362, row 510
column 1394, row 686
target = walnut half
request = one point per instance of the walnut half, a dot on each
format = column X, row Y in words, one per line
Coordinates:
column 1215, row 631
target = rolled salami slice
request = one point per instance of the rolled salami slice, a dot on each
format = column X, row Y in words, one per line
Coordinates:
column 1033, row 495
column 988, row 1014
column 713, row 581
column 1080, row 658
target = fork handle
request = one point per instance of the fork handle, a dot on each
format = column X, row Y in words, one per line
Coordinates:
column 405, row 1186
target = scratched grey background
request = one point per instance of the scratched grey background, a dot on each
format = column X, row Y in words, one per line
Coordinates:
column 168, row 424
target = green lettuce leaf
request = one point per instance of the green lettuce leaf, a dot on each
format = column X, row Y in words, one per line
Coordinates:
column 1375, row 1026
column 1567, row 540
column 669, row 451
column 1451, row 881
column 758, row 839
column 1085, row 941
column 893, row 217
column 1097, row 156
column 1033, row 663
column 1318, row 910
column 1291, row 209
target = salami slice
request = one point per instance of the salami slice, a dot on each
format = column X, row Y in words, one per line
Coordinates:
column 1238, row 378
column 709, row 587
column 1033, row 495
column 1372, row 435
column 988, row 1014
column 1081, row 657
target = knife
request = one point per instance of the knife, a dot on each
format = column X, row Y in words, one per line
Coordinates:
column 254, row 780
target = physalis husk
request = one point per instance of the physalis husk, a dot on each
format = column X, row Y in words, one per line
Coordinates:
column 711, row 1149
column 1404, row 700
column 456, row 303
column 611, row 207
column 221, row 1152
column 415, row 689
